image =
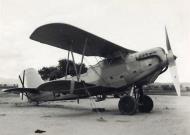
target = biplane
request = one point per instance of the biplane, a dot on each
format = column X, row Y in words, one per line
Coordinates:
column 122, row 72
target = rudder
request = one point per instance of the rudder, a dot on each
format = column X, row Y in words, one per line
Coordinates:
column 32, row 78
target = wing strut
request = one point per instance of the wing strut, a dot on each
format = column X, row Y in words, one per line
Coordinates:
column 83, row 52
column 75, row 65
column 67, row 65
column 78, row 73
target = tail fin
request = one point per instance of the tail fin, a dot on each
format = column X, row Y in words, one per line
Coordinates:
column 32, row 79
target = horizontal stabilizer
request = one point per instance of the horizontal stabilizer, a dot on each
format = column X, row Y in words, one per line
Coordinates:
column 71, row 38
column 22, row 90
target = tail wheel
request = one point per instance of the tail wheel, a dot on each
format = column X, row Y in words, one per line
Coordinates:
column 145, row 104
column 127, row 105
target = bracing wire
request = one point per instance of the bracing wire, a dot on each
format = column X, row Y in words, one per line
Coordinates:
column 92, row 104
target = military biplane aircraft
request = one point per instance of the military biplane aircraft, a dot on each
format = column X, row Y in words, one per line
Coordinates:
column 122, row 71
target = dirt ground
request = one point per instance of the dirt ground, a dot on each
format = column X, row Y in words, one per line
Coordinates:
column 171, row 116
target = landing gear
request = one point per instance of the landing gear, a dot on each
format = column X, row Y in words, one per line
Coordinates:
column 145, row 104
column 127, row 105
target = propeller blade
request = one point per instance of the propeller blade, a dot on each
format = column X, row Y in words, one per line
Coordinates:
column 175, row 78
column 172, row 65
column 167, row 41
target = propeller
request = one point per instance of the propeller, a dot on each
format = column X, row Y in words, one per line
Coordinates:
column 172, row 65
column 22, row 82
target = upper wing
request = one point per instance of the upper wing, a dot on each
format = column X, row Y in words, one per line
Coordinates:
column 71, row 38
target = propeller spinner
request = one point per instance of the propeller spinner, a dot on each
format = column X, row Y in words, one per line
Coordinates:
column 172, row 65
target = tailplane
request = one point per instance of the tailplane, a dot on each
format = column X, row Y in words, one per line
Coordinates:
column 29, row 80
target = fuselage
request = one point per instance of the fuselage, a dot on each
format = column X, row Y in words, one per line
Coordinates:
column 123, row 70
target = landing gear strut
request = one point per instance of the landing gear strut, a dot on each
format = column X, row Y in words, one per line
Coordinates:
column 129, row 105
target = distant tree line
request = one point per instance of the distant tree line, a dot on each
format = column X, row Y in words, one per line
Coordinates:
column 161, row 86
column 59, row 71
column 7, row 86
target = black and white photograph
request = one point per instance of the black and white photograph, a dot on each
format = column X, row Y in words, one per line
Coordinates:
column 94, row 67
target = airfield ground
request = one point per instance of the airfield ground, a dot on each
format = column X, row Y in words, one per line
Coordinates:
column 171, row 116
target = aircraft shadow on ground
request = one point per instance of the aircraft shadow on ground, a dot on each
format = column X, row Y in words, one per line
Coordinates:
column 78, row 111
column 72, row 111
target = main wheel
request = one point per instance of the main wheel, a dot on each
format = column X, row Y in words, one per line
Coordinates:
column 145, row 104
column 127, row 105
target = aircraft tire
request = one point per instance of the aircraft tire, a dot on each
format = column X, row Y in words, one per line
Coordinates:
column 145, row 104
column 127, row 105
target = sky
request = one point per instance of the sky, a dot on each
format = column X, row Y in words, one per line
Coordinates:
column 133, row 24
